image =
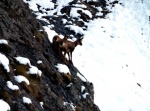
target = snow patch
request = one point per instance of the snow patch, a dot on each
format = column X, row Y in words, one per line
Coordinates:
column 39, row 62
column 81, row 77
column 82, row 89
column 62, row 68
column 27, row 100
column 3, row 41
column 74, row 12
column 51, row 33
column 85, row 95
column 76, row 29
column 70, row 104
column 61, row 4
column 87, row 12
column 99, row 9
column 4, row 106
column 21, row 79
column 23, row 60
column 41, row 103
column 44, row 4
column 11, row 86
column 5, row 62
column 69, row 85
column 80, row 5
column 34, row 70
column 64, row 21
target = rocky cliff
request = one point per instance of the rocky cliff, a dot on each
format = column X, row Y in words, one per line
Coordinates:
column 24, row 47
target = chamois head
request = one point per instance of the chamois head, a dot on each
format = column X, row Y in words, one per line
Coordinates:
column 78, row 41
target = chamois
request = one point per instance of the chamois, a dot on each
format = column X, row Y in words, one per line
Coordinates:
column 68, row 47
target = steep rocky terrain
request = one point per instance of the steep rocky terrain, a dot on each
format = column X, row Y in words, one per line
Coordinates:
column 22, row 37
column 50, row 91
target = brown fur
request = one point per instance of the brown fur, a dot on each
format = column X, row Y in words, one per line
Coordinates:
column 56, row 41
column 68, row 47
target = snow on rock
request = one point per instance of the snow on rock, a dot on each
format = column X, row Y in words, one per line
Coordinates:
column 39, row 62
column 99, row 13
column 76, row 29
column 91, row 0
column 50, row 33
column 3, row 41
column 80, row 5
column 62, row 68
column 64, row 21
column 23, row 60
column 87, row 12
column 41, row 103
column 26, row 100
column 61, row 4
column 85, row 95
column 4, row 106
column 81, row 77
column 5, row 62
column 20, row 79
column 69, row 85
column 11, row 86
column 82, row 89
column 74, row 12
column 45, row 3
column 71, row 105
column 99, row 9
column 34, row 70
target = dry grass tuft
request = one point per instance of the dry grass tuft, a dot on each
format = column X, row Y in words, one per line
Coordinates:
column 30, row 106
column 5, row 95
column 38, row 36
column 78, row 108
column 36, row 90
column 21, row 69
column 57, row 78
column 34, row 87
column 67, row 78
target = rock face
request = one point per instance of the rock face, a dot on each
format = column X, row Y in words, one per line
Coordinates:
column 48, row 89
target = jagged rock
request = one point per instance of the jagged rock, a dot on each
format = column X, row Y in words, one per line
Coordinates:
column 22, row 30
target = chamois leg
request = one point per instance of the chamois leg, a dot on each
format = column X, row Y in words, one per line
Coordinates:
column 68, row 55
column 71, row 57
column 65, row 58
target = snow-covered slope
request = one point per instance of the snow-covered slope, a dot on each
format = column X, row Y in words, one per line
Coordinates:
column 115, row 54
column 115, row 57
